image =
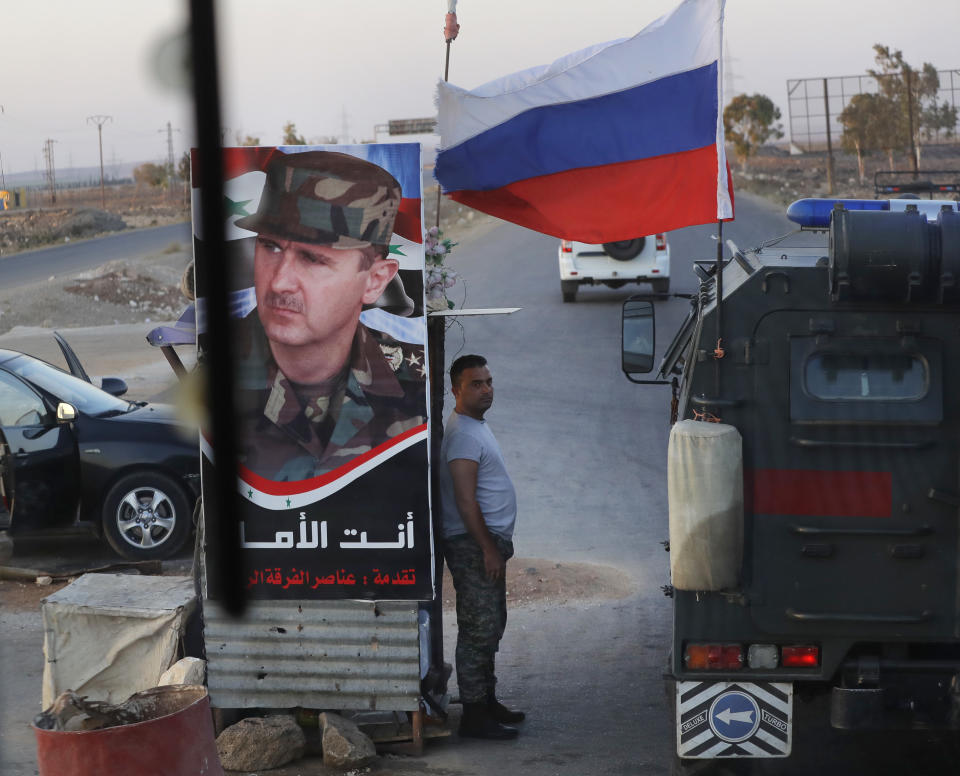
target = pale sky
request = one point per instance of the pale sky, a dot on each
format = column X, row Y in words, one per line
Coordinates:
column 326, row 64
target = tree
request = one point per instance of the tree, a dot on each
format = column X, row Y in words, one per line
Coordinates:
column 861, row 121
column 935, row 118
column 151, row 174
column 250, row 140
column 749, row 121
column 183, row 168
column 911, row 99
column 290, row 136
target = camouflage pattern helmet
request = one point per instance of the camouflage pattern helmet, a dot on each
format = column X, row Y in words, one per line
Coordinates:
column 326, row 198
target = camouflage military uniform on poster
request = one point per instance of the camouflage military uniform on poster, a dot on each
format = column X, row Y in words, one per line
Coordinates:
column 290, row 432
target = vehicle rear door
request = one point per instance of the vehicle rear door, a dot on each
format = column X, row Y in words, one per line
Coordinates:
column 853, row 441
column 42, row 459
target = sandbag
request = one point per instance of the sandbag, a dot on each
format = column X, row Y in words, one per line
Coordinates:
column 705, row 492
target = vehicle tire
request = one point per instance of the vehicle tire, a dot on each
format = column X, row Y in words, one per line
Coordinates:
column 661, row 285
column 146, row 516
column 624, row 250
column 568, row 288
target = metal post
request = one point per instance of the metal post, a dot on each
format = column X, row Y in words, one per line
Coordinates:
column 913, row 145
column 436, row 346
column 446, row 77
column 718, row 353
column 826, row 113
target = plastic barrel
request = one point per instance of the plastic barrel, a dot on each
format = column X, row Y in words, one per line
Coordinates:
column 175, row 739
column 705, row 492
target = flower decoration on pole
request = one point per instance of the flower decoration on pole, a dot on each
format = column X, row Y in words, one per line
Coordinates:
column 438, row 277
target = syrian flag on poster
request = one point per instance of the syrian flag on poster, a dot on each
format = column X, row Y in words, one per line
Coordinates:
column 243, row 176
column 618, row 140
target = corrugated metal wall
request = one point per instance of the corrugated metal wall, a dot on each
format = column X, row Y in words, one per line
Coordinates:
column 317, row 654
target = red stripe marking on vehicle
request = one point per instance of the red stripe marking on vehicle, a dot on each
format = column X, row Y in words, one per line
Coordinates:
column 819, row 493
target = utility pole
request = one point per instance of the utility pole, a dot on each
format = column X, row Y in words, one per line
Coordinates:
column 171, row 169
column 913, row 143
column 826, row 113
column 51, row 173
column 100, row 121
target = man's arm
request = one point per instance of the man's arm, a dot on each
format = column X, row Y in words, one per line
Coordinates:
column 463, row 471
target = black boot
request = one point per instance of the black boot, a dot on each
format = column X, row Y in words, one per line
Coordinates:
column 501, row 713
column 478, row 723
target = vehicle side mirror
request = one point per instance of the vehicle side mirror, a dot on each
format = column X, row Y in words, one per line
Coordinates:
column 639, row 337
column 113, row 385
column 66, row 413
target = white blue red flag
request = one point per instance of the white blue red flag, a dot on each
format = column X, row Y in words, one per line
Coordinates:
column 616, row 141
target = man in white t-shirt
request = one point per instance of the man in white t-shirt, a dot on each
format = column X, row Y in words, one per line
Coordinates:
column 479, row 508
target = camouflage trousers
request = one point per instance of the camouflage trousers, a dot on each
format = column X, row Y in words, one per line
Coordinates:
column 481, row 615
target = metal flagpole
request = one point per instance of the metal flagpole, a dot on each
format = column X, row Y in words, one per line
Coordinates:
column 450, row 30
column 435, row 684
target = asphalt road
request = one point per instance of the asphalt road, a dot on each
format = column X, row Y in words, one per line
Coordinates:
column 587, row 450
column 32, row 266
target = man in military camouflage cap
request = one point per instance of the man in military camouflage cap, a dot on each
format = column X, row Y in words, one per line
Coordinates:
column 316, row 387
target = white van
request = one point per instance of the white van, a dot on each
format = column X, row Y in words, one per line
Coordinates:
column 641, row 260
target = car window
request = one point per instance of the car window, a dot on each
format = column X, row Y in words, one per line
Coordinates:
column 19, row 406
column 87, row 398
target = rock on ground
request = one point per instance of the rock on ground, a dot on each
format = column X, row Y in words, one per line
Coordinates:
column 344, row 745
column 188, row 670
column 260, row 743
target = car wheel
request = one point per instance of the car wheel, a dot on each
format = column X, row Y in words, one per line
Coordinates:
column 568, row 288
column 146, row 516
column 661, row 286
column 624, row 250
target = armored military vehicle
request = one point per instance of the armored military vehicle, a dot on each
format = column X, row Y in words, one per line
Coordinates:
column 813, row 479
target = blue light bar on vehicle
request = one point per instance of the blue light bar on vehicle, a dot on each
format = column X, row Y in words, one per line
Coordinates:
column 815, row 213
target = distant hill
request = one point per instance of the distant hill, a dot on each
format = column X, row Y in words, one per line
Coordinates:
column 71, row 176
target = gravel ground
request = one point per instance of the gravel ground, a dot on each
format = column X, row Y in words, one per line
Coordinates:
column 118, row 292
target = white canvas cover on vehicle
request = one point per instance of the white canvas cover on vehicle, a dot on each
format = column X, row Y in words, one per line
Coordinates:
column 107, row 636
column 705, row 492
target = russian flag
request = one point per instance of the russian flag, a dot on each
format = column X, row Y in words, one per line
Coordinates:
column 610, row 143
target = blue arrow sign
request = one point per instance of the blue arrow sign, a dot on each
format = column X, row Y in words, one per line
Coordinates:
column 734, row 716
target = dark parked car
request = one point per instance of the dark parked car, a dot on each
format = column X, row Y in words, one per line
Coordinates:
column 75, row 456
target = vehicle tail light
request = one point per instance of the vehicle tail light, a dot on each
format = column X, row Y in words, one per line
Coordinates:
column 762, row 656
column 806, row 656
column 566, row 246
column 713, row 656
column 661, row 242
